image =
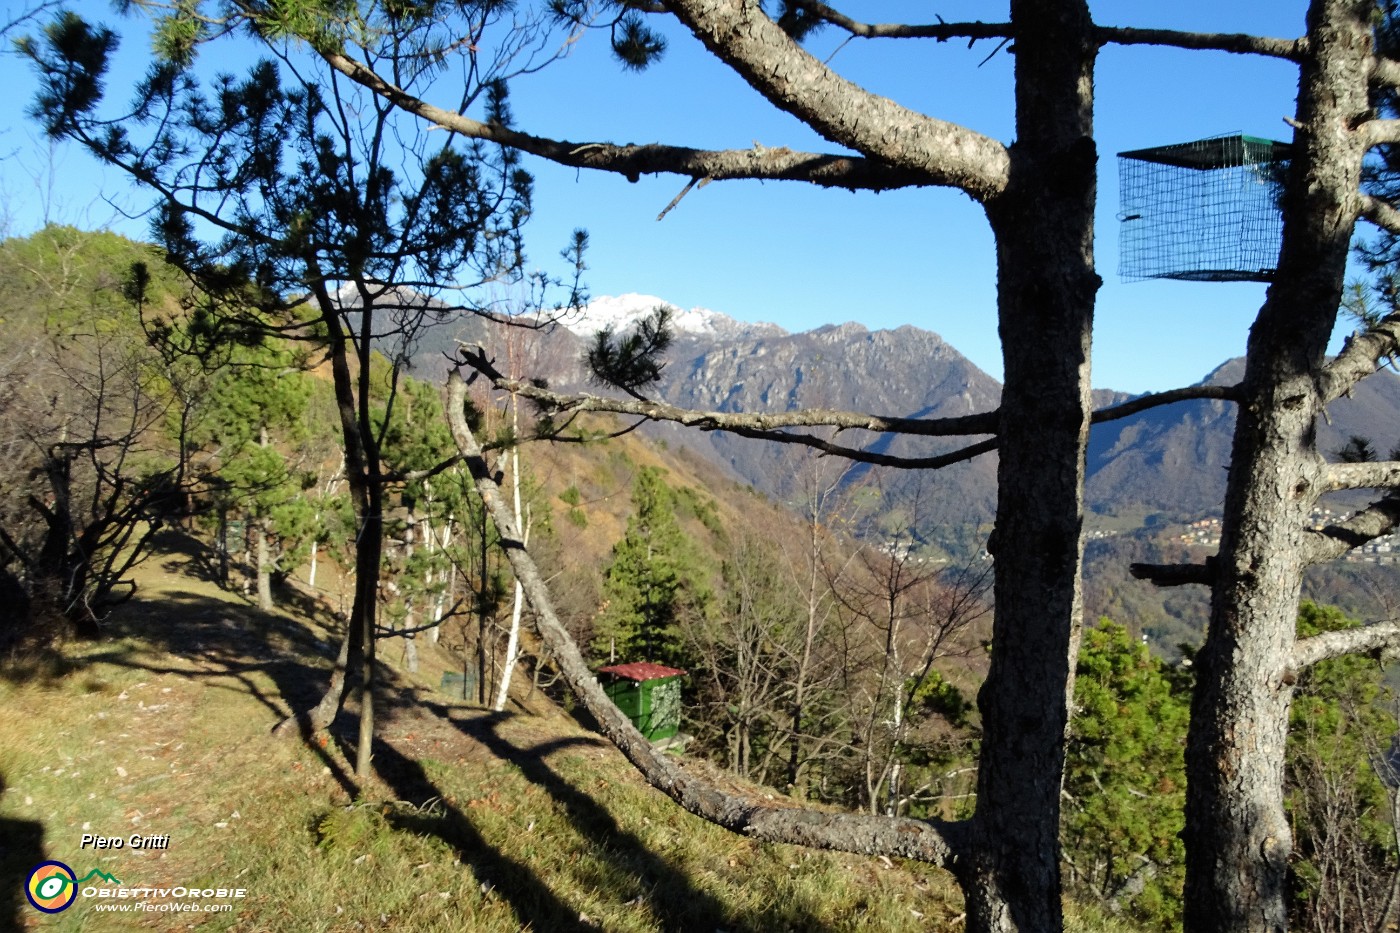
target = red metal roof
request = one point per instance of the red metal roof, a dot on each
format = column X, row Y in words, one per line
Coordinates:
column 641, row 671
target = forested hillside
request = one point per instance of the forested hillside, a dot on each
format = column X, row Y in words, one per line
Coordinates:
column 1149, row 476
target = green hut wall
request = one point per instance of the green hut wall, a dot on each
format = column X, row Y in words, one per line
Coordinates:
column 649, row 695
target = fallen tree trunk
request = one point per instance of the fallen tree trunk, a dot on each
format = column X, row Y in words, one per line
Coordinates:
column 933, row 841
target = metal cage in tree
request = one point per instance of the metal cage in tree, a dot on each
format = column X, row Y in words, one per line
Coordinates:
column 1204, row 211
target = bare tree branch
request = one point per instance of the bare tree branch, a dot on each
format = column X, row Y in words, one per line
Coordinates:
column 1235, row 43
column 1360, row 356
column 1373, row 637
column 941, row 31
column 1385, row 70
column 737, row 422
column 963, row 425
column 933, row 841
column 414, row 476
column 1377, row 520
column 453, row 610
column 1164, row 575
column 792, row 80
column 1158, row 399
column 763, row 426
column 1378, row 132
column 936, row 462
column 1384, row 474
column 1381, row 213
column 635, row 160
column 28, row 13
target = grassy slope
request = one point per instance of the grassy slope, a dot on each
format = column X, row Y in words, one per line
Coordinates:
column 477, row 821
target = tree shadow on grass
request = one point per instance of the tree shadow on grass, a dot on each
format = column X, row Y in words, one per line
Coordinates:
column 535, row 905
column 21, row 848
column 194, row 561
column 284, row 666
column 671, row 894
column 230, row 647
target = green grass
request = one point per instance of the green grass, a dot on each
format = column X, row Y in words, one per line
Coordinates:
column 475, row 821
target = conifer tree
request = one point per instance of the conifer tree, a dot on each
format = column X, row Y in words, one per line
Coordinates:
column 648, row 586
column 1342, row 789
column 295, row 194
column 258, row 398
column 1125, row 780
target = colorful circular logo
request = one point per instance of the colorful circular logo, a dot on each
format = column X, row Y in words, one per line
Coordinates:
column 51, row 887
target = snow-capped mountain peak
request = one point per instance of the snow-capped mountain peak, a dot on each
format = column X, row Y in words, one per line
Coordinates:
column 621, row 311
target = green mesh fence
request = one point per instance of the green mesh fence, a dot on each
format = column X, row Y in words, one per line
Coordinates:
column 1204, row 211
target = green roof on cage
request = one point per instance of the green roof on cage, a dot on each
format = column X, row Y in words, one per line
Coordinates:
column 1204, row 211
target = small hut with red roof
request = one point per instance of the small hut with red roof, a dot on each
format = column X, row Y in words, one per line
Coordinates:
column 648, row 694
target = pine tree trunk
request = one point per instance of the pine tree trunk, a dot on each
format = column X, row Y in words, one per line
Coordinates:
column 364, row 748
column 223, row 547
column 1047, row 284
column 363, row 476
column 1238, row 840
column 262, row 529
column 264, row 558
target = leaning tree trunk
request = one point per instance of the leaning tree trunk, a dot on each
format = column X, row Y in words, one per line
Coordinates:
column 1237, row 834
column 755, row 817
column 1047, row 284
column 366, row 493
column 368, row 554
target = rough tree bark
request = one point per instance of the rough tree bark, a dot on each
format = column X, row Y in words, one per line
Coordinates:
column 1044, row 230
column 364, row 478
column 1237, row 834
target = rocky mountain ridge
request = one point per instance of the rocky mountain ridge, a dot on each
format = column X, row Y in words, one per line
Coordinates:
column 1167, row 463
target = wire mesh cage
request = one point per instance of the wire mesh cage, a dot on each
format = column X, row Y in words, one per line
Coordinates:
column 1203, row 211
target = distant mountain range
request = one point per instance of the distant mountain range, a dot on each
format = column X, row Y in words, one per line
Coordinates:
column 1169, row 461
column 1146, row 475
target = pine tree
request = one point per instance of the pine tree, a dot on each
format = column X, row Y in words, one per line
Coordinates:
column 1125, row 779
column 1341, row 789
column 648, row 586
column 257, row 399
column 293, row 192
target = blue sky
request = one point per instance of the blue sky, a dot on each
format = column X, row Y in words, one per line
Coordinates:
column 796, row 255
